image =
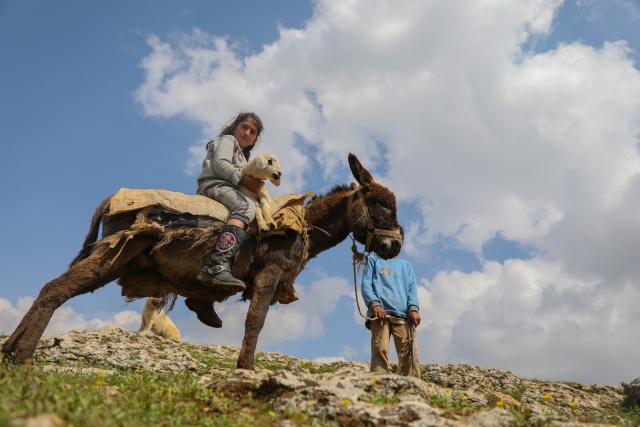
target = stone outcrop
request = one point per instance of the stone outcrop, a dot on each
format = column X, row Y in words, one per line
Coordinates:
column 446, row 395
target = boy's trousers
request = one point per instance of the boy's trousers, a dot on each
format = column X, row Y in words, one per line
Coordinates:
column 381, row 332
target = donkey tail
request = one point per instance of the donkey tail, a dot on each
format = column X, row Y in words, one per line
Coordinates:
column 92, row 235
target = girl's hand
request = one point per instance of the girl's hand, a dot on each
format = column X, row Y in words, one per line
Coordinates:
column 253, row 184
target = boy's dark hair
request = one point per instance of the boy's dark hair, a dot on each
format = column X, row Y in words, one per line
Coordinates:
column 241, row 117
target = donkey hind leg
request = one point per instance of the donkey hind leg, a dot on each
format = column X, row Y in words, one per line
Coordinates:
column 265, row 284
column 87, row 275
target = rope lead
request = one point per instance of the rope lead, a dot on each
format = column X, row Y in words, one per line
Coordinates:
column 359, row 260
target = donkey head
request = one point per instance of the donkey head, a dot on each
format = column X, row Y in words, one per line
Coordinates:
column 375, row 219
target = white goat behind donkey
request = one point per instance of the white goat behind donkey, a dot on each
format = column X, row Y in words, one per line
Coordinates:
column 263, row 166
column 154, row 319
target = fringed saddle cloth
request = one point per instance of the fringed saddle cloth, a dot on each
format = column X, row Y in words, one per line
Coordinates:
column 182, row 210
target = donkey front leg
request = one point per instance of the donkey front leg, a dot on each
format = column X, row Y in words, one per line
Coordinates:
column 265, row 284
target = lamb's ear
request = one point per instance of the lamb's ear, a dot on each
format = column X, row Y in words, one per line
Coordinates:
column 261, row 163
column 359, row 172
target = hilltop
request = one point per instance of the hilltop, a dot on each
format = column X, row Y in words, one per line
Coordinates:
column 289, row 391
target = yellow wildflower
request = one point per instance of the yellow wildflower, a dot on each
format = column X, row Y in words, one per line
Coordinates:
column 170, row 389
column 373, row 380
column 447, row 389
column 544, row 408
column 573, row 404
column 461, row 394
column 346, row 402
column 499, row 403
column 100, row 374
column 547, row 396
column 221, row 394
column 272, row 414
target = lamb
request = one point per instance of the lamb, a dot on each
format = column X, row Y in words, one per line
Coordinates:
column 154, row 319
column 264, row 166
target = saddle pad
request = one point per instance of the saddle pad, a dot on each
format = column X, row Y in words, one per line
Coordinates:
column 127, row 200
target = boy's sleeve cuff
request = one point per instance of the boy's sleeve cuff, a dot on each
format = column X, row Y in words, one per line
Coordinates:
column 414, row 308
column 374, row 304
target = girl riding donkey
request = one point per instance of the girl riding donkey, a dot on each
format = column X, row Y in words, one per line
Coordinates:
column 219, row 180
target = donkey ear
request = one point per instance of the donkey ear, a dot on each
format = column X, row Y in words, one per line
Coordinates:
column 359, row 172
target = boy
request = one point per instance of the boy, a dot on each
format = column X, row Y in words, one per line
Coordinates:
column 390, row 293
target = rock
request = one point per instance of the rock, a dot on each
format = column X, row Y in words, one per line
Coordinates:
column 451, row 395
column 631, row 388
column 496, row 417
column 44, row 420
column 501, row 399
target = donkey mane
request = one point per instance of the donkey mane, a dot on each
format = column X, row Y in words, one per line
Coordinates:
column 336, row 189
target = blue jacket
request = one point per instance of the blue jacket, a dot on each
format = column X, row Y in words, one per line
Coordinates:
column 390, row 283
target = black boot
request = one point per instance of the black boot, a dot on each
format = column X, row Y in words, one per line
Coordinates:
column 204, row 311
column 217, row 272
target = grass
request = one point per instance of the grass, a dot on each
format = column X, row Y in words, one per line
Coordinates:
column 141, row 398
column 132, row 398
column 518, row 392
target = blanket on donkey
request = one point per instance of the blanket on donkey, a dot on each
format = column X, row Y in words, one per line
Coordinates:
column 287, row 211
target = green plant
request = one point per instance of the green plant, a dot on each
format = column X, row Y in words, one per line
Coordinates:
column 379, row 399
column 518, row 392
column 131, row 398
column 319, row 368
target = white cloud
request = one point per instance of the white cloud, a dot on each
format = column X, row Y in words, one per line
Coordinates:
column 483, row 137
column 533, row 318
column 284, row 323
column 65, row 318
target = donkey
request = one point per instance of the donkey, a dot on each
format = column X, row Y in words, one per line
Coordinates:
column 154, row 265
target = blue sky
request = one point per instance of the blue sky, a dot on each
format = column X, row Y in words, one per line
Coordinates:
column 508, row 132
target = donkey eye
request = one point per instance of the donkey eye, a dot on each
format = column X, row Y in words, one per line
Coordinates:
column 385, row 205
column 270, row 162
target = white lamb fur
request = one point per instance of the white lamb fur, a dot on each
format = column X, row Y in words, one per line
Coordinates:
column 154, row 319
column 264, row 166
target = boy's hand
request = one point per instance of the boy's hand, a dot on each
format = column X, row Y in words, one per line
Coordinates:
column 414, row 317
column 379, row 312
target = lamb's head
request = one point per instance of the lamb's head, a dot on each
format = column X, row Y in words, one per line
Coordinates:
column 266, row 166
column 157, row 302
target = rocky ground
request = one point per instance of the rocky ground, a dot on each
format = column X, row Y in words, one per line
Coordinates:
column 446, row 395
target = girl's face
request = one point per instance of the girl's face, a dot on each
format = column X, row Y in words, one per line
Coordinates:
column 246, row 133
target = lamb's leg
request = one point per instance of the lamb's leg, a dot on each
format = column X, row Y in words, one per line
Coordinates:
column 262, row 225
column 87, row 275
column 264, row 287
column 265, row 208
column 145, row 326
column 263, row 199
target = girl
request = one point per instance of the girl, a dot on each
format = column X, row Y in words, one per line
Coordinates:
column 219, row 180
